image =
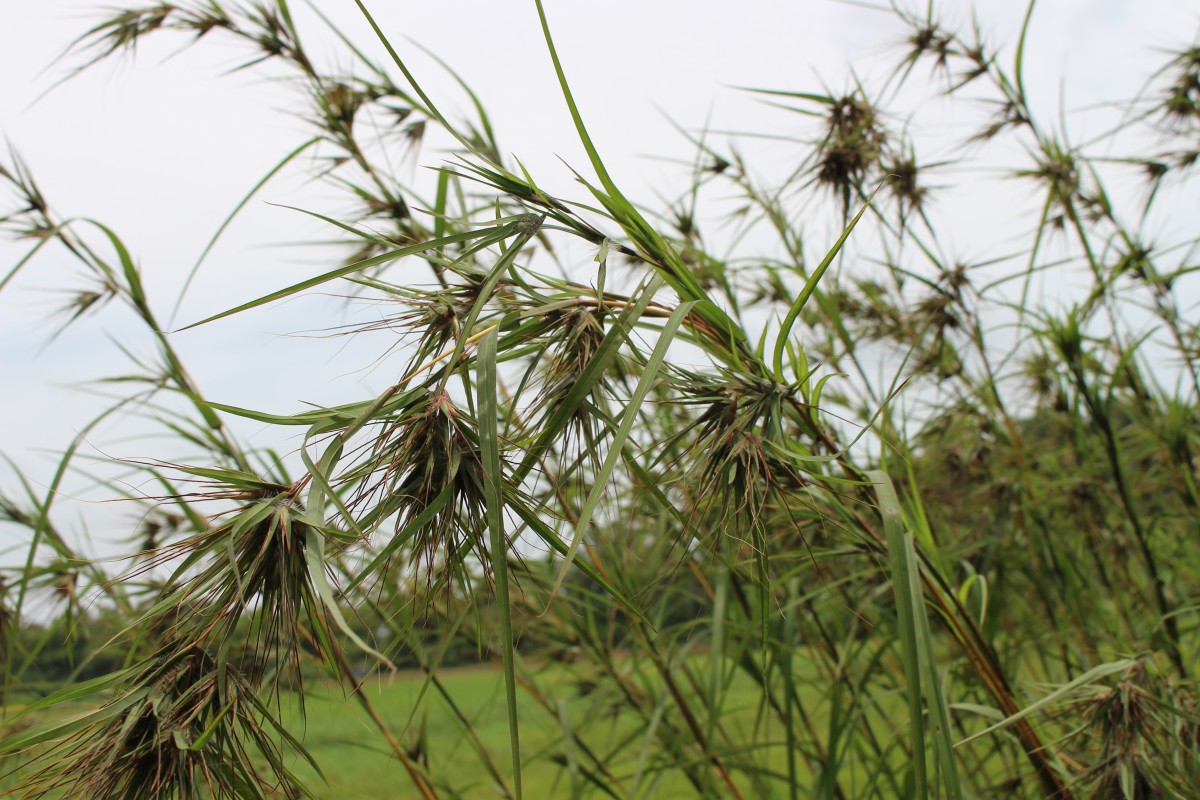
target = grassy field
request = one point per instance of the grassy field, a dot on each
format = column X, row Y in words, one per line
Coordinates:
column 358, row 765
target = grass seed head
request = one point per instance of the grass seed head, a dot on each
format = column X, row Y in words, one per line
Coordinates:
column 183, row 728
column 852, row 145
column 425, row 476
column 253, row 575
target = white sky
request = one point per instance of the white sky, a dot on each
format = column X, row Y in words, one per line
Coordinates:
column 160, row 149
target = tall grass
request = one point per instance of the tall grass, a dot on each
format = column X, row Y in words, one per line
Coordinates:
column 956, row 502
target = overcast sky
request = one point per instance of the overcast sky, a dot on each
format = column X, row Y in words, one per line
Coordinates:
column 161, row 148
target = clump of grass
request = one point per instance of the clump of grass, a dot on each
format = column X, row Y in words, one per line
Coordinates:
column 1142, row 736
column 251, row 569
column 909, row 478
column 184, row 726
column 424, row 473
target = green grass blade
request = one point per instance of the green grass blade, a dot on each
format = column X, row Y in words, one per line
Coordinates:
column 25, row 259
column 810, row 286
column 77, row 691
column 908, row 607
column 495, row 234
column 489, row 451
column 283, row 162
column 314, row 550
column 1019, row 59
column 920, row 666
column 584, row 137
column 430, row 107
column 1091, row 676
column 658, row 251
column 648, row 739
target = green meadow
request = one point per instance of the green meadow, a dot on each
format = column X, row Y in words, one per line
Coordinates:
column 447, row 725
